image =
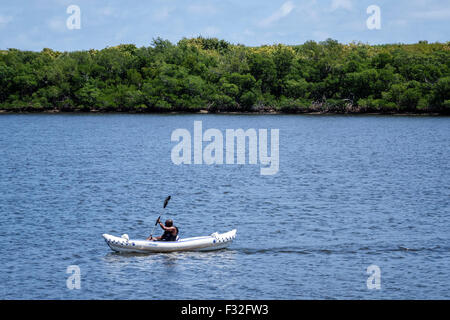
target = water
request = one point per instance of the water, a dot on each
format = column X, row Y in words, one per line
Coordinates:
column 351, row 191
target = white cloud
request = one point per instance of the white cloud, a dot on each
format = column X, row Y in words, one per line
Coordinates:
column 57, row 24
column 399, row 23
column 310, row 11
column 107, row 11
column 4, row 20
column 207, row 9
column 210, row 31
column 282, row 12
column 163, row 13
column 121, row 35
column 321, row 35
column 344, row 4
column 248, row 32
column 432, row 14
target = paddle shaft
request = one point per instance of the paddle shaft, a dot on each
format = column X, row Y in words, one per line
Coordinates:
column 157, row 220
column 153, row 230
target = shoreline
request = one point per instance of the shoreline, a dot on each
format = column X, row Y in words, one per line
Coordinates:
column 431, row 114
column 209, row 75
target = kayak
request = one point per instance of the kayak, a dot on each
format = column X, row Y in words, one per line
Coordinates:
column 215, row 241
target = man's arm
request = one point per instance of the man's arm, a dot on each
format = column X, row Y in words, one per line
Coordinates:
column 170, row 229
column 154, row 238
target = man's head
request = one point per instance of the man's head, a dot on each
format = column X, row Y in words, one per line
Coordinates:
column 169, row 223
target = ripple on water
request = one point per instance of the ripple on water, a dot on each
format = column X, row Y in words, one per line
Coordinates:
column 351, row 192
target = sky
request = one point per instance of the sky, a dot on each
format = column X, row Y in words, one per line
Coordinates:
column 37, row 24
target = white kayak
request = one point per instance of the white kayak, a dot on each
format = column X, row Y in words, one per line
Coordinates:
column 215, row 241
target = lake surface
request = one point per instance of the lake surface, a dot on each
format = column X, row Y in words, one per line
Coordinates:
column 351, row 191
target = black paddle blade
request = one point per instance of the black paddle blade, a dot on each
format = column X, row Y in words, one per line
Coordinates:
column 166, row 201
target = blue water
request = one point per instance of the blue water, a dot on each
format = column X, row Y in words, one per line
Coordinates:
column 351, row 191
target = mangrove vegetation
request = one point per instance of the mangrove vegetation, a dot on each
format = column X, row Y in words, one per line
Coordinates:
column 208, row 74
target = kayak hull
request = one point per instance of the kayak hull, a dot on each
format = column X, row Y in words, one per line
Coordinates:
column 215, row 241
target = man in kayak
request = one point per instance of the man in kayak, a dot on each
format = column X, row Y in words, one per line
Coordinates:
column 170, row 232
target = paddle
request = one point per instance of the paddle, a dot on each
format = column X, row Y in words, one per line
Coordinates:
column 157, row 220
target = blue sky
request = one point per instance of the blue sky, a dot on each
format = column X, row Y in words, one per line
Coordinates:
column 36, row 24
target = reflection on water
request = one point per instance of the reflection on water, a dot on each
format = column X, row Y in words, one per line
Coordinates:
column 170, row 262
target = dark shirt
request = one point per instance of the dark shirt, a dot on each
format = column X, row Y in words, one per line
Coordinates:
column 168, row 236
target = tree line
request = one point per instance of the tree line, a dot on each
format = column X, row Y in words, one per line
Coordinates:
column 214, row 75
